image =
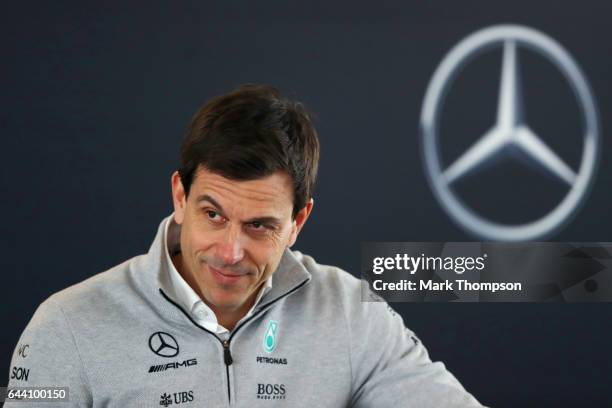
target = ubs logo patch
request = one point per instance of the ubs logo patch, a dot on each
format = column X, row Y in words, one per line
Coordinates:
column 176, row 398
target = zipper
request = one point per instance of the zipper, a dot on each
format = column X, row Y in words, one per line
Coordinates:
column 227, row 358
column 227, row 355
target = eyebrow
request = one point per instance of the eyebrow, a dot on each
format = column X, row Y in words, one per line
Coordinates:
column 206, row 197
column 263, row 220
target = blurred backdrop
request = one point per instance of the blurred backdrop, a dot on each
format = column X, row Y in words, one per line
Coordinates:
column 95, row 99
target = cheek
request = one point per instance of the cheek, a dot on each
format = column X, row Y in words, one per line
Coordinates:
column 277, row 242
column 195, row 238
column 200, row 241
column 270, row 252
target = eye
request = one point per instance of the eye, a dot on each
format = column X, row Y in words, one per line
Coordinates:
column 256, row 225
column 259, row 227
column 214, row 216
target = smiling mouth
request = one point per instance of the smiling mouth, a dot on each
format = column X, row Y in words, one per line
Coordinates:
column 224, row 277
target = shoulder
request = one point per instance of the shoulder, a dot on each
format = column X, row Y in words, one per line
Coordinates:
column 98, row 294
column 330, row 279
column 331, row 284
column 351, row 293
column 361, row 307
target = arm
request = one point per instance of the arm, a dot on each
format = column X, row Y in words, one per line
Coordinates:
column 391, row 367
column 47, row 356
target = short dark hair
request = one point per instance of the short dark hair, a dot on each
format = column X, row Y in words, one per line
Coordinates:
column 251, row 133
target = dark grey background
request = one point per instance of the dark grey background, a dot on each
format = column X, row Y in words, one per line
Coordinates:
column 95, row 99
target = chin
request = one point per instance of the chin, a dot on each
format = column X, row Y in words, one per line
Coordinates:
column 227, row 301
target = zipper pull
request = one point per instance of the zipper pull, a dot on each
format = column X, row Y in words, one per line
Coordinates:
column 227, row 356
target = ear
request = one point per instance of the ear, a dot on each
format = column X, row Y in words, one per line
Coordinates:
column 178, row 198
column 300, row 220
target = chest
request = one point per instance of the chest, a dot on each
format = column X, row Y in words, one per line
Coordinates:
column 273, row 361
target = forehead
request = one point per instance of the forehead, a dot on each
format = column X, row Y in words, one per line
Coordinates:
column 273, row 192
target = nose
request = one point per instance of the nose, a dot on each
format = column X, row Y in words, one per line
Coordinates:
column 230, row 249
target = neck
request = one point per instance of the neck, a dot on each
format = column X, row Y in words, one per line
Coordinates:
column 227, row 318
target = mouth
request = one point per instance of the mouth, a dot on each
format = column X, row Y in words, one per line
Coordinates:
column 224, row 277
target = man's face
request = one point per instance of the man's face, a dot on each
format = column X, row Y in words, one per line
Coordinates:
column 233, row 234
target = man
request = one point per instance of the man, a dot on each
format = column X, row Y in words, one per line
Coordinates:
column 220, row 312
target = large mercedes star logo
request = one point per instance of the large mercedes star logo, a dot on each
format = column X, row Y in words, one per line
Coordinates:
column 510, row 131
column 163, row 344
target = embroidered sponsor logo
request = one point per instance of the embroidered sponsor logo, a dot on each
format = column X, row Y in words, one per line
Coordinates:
column 271, row 391
column 176, row 398
column 270, row 336
column 22, row 350
column 271, row 360
column 165, row 400
column 175, row 365
column 20, row 373
column 163, row 344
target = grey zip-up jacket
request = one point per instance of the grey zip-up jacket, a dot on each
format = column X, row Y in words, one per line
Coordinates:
column 117, row 340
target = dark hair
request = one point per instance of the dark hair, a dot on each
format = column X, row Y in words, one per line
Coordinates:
column 251, row 133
